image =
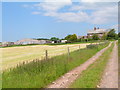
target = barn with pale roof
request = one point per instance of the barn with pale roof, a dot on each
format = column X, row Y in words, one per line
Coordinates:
column 30, row 41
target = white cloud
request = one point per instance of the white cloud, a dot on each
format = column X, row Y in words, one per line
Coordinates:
column 52, row 14
column 91, row 6
column 36, row 13
column 60, row 0
column 101, row 13
column 53, row 5
column 92, row 1
column 116, row 27
column 106, row 15
column 73, row 17
column 68, row 16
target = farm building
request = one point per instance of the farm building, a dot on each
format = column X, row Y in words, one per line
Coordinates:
column 98, row 31
column 30, row 41
column 82, row 37
column 63, row 41
column 7, row 44
column 59, row 41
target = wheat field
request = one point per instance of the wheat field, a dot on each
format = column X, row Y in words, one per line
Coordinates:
column 12, row 56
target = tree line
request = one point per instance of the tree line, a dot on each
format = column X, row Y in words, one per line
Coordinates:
column 111, row 35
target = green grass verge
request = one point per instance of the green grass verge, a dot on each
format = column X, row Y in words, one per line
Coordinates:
column 90, row 78
column 40, row 73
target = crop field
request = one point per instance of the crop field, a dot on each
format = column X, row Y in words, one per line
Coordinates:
column 40, row 73
column 14, row 55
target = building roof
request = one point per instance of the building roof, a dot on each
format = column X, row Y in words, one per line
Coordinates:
column 30, row 41
column 98, row 31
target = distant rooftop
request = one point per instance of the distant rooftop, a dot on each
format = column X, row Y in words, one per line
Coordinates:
column 98, row 31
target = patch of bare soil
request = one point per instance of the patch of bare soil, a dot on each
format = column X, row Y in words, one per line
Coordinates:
column 68, row 78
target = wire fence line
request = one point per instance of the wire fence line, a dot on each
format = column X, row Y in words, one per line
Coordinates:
column 66, row 50
column 61, row 51
column 49, row 54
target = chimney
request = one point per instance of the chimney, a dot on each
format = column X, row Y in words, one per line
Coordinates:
column 94, row 28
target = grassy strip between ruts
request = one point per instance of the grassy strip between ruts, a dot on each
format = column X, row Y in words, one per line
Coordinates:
column 38, row 74
column 91, row 77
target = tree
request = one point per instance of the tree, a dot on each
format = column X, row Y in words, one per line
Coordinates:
column 95, row 37
column 116, row 36
column 68, row 37
column 42, row 39
column 90, row 39
column 104, row 37
column 79, row 40
column 54, row 39
column 119, row 34
column 111, row 34
column 72, row 38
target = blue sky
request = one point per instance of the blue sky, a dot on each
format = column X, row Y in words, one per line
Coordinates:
column 48, row 19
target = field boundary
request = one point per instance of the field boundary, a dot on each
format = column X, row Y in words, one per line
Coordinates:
column 47, row 55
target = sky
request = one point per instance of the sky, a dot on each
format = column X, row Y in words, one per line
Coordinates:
column 55, row 19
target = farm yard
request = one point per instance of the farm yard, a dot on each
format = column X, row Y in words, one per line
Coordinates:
column 12, row 56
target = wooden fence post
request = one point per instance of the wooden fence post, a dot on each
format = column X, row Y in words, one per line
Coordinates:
column 17, row 65
column 68, row 52
column 46, row 54
column 79, row 47
column 23, row 62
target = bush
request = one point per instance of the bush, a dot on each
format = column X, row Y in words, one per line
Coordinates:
column 95, row 37
column 92, row 46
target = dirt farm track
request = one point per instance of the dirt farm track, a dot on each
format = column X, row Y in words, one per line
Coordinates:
column 13, row 55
